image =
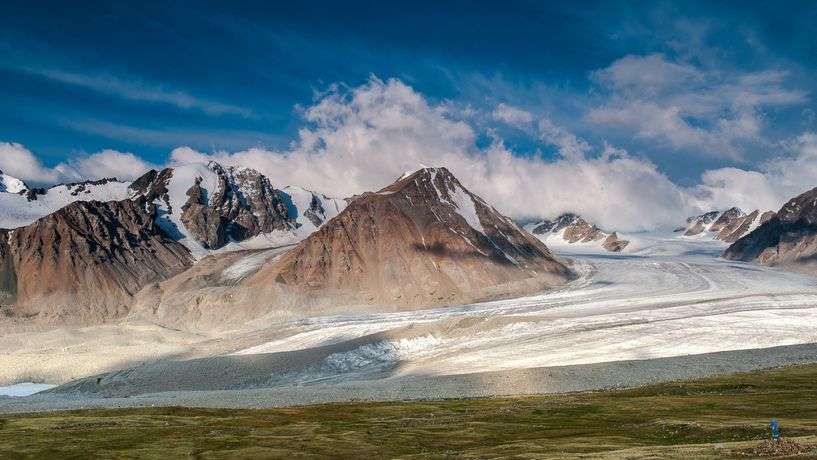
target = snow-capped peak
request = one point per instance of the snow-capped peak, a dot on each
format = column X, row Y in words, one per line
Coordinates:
column 11, row 184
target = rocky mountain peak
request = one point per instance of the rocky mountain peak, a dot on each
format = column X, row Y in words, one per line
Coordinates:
column 87, row 259
column 423, row 240
column 788, row 237
column 572, row 228
column 802, row 208
column 213, row 204
column 727, row 226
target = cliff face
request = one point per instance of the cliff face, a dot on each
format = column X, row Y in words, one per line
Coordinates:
column 214, row 204
column 788, row 238
column 86, row 261
column 424, row 240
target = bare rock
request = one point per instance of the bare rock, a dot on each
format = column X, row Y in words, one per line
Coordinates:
column 613, row 244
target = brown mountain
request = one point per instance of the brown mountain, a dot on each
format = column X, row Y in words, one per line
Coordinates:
column 423, row 241
column 85, row 261
column 788, row 238
column 237, row 204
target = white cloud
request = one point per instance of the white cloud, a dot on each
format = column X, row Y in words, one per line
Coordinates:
column 107, row 163
column 362, row 139
column 647, row 75
column 689, row 107
column 19, row 162
column 568, row 144
column 770, row 186
column 513, row 116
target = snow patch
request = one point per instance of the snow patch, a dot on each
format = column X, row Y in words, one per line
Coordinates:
column 16, row 211
column 467, row 209
column 11, row 184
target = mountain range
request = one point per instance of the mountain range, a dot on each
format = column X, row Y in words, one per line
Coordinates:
column 158, row 245
column 787, row 238
column 207, row 242
column 728, row 226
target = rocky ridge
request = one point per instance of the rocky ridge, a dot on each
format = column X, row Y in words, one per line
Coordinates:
column 86, row 260
column 788, row 238
column 727, row 226
column 573, row 229
column 213, row 205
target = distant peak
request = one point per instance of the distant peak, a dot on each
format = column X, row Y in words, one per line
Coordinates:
column 11, row 184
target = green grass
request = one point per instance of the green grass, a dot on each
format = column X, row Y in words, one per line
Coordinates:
column 672, row 420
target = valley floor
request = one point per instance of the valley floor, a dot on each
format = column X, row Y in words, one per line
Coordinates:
column 721, row 417
column 666, row 297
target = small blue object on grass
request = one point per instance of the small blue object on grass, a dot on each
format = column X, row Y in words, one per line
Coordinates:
column 775, row 430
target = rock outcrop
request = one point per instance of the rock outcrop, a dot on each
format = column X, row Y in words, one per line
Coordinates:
column 423, row 241
column 214, row 204
column 788, row 238
column 613, row 243
column 727, row 226
column 309, row 209
column 574, row 229
column 86, row 261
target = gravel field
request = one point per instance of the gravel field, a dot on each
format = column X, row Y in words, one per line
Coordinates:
column 559, row 379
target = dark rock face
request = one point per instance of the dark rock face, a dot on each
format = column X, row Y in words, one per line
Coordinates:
column 31, row 194
column 153, row 186
column 315, row 213
column 8, row 279
column 243, row 204
column 247, row 200
column 87, row 260
column 576, row 229
column 83, row 187
column 206, row 224
column 789, row 237
column 728, row 226
column 727, row 218
column 424, row 240
column 556, row 225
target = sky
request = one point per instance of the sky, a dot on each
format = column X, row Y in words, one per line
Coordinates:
column 634, row 114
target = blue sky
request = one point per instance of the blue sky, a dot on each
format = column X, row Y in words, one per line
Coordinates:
column 688, row 86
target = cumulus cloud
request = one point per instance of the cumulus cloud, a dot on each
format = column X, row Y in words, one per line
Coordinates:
column 363, row 138
column 688, row 107
column 107, row 163
column 20, row 162
column 768, row 187
column 568, row 144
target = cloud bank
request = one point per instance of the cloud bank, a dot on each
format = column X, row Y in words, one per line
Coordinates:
column 363, row 138
column 19, row 162
column 685, row 106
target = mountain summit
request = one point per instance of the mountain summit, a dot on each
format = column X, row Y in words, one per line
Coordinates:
column 788, row 238
column 11, row 184
column 424, row 240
